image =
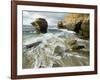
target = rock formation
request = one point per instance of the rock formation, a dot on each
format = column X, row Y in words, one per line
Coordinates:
column 40, row 25
column 60, row 24
column 78, row 23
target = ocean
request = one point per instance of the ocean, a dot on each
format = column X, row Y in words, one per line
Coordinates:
column 48, row 43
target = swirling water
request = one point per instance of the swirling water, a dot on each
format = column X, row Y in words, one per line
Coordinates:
column 53, row 49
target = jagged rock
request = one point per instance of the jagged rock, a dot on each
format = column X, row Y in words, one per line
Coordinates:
column 77, row 22
column 85, row 29
column 78, row 27
column 72, row 42
column 77, row 47
column 40, row 25
column 74, row 45
column 60, row 24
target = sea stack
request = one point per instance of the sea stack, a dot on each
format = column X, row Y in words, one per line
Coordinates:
column 40, row 25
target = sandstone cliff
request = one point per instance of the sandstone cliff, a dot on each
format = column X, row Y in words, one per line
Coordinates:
column 78, row 23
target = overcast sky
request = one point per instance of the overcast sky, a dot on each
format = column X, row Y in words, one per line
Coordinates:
column 51, row 17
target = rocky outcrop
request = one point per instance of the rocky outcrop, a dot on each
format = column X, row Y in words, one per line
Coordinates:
column 60, row 24
column 85, row 29
column 75, row 46
column 78, row 23
column 40, row 25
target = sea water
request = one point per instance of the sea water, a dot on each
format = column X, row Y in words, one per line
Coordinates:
column 45, row 56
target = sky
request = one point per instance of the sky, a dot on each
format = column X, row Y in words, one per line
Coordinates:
column 51, row 17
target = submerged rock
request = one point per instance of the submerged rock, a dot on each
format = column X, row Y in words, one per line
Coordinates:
column 72, row 42
column 59, row 50
column 74, row 45
column 32, row 45
column 77, row 47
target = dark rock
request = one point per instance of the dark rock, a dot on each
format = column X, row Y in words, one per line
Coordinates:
column 77, row 47
column 72, row 42
column 59, row 50
column 80, row 47
column 40, row 25
column 78, row 27
column 56, row 65
column 33, row 45
column 85, row 29
column 60, row 24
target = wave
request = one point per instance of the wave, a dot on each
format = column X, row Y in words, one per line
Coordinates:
column 54, row 50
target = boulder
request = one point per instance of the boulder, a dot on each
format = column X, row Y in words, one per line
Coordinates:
column 59, row 50
column 40, row 25
column 33, row 44
column 75, row 46
column 60, row 24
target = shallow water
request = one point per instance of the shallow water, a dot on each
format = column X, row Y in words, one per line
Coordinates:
column 44, row 55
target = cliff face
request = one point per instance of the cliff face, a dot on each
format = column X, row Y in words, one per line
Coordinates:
column 78, row 23
column 71, row 19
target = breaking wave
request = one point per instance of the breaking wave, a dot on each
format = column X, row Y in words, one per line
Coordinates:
column 55, row 50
